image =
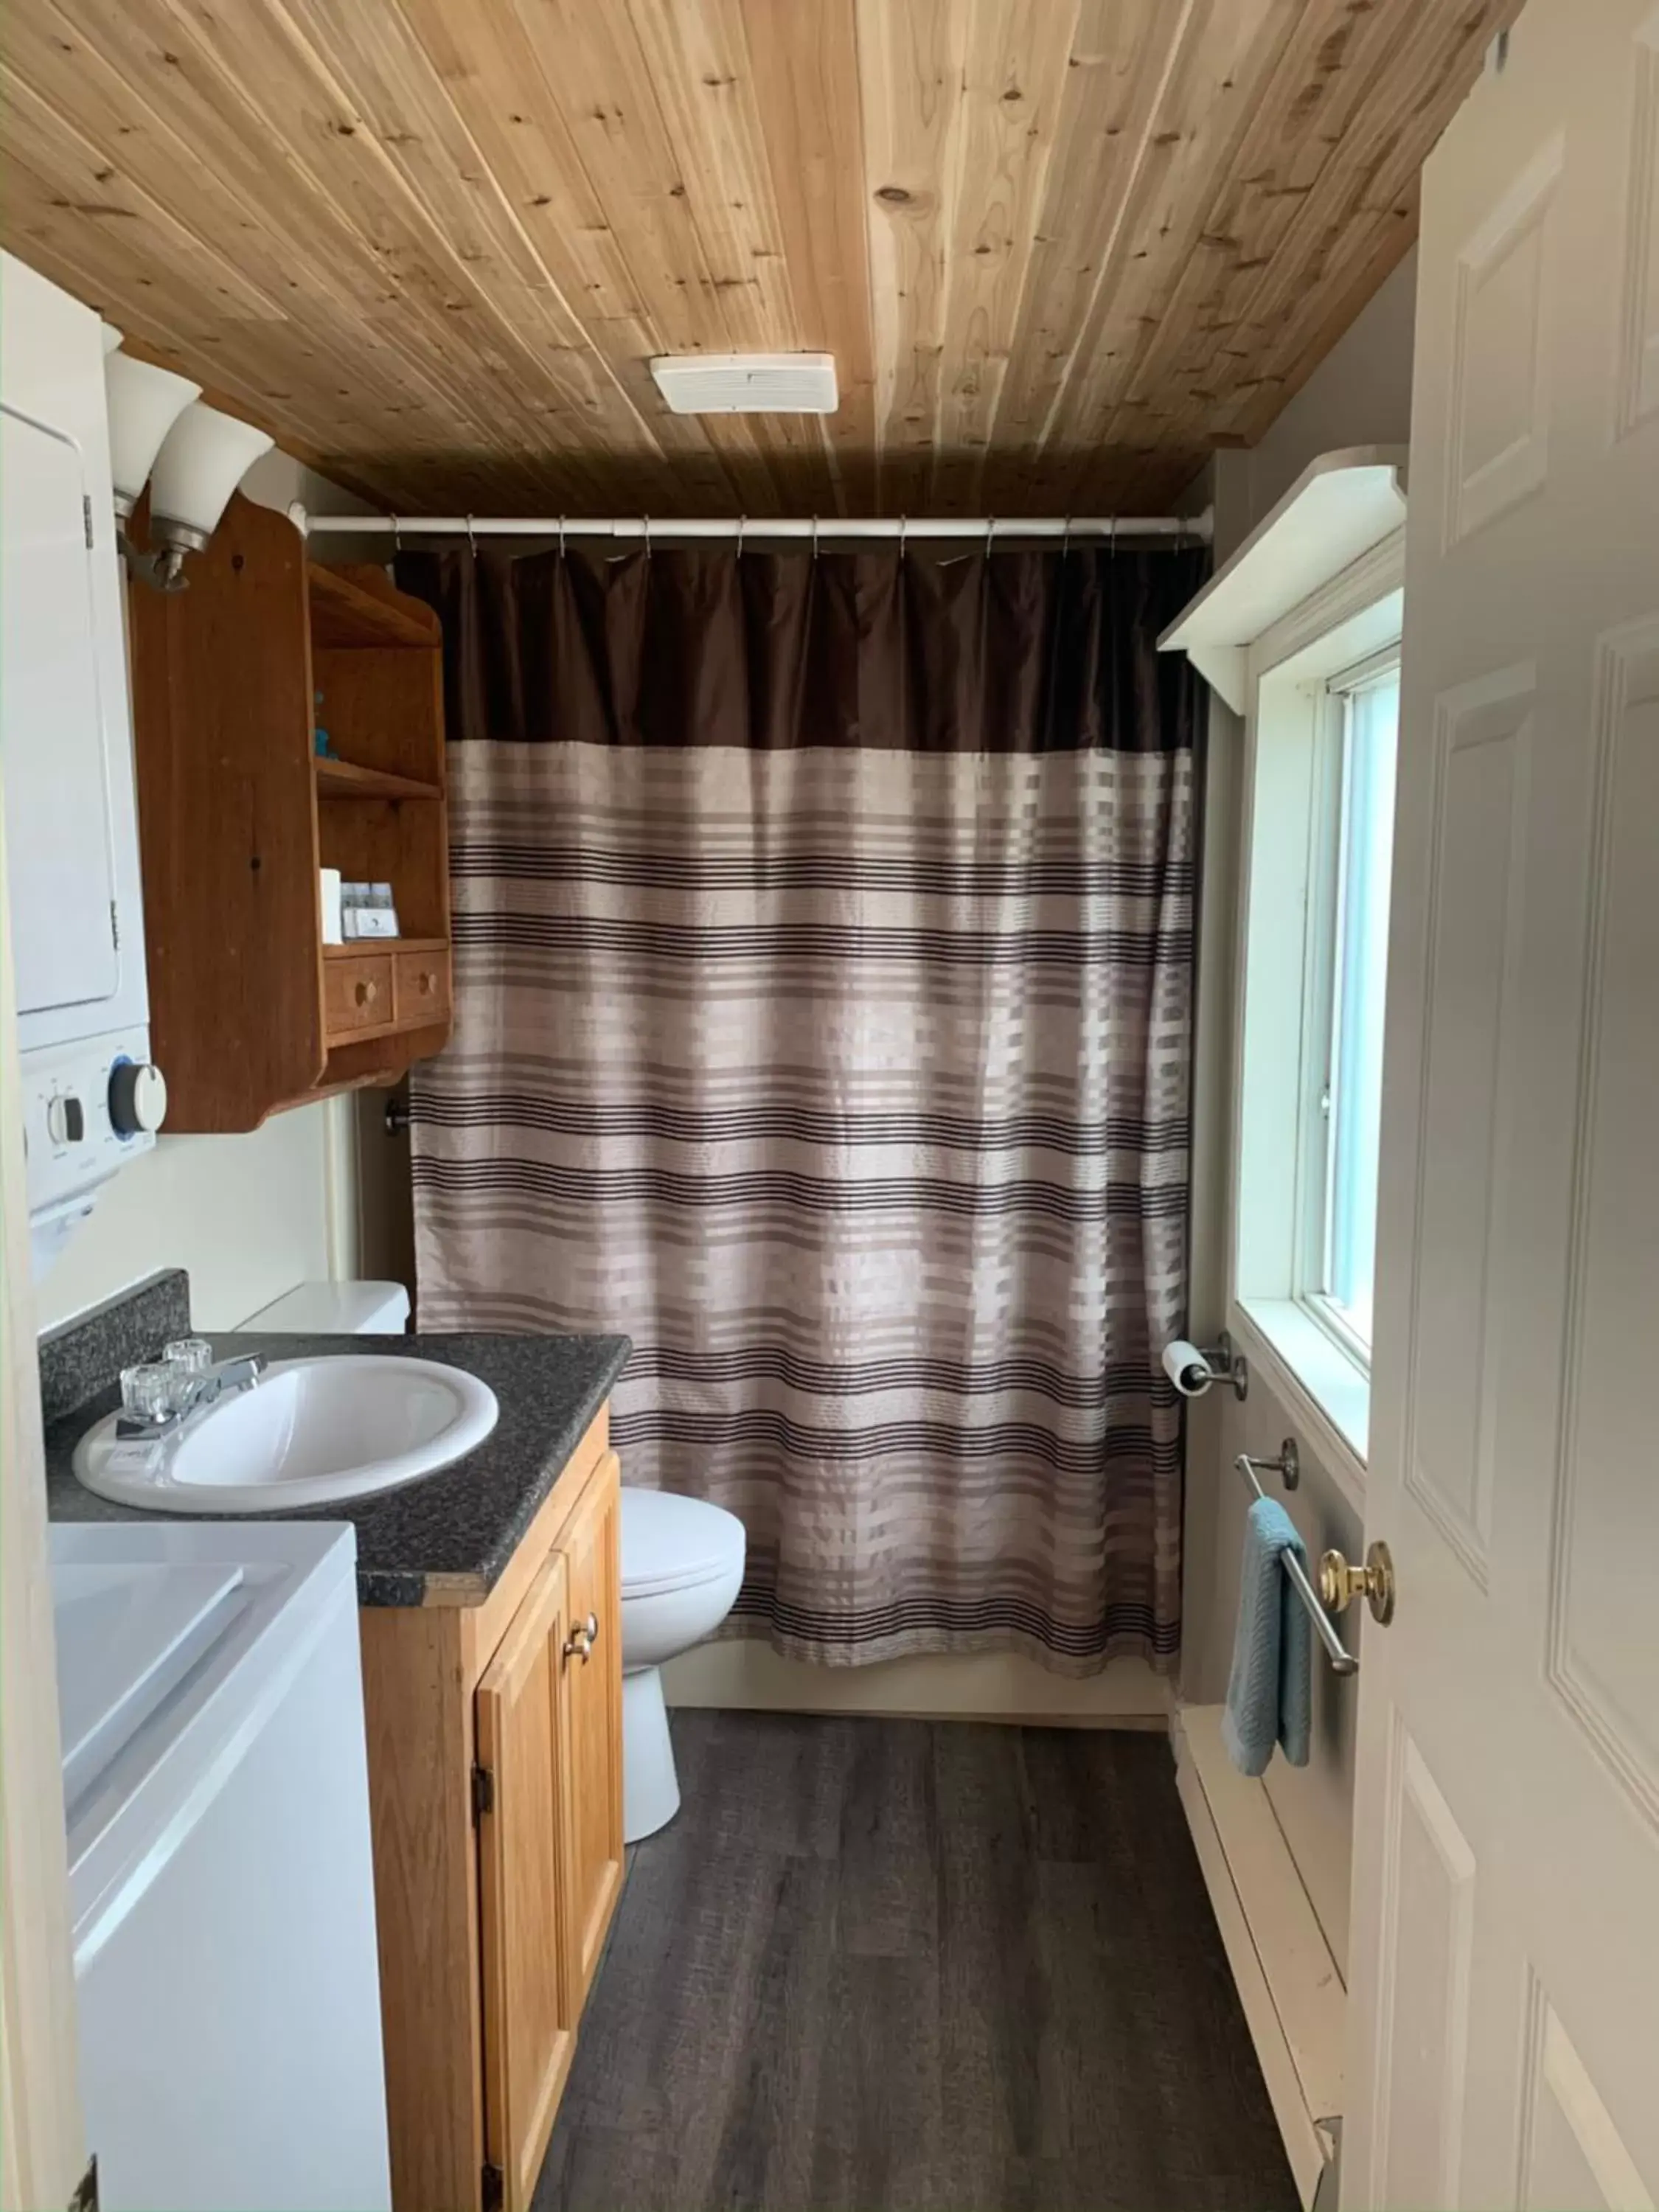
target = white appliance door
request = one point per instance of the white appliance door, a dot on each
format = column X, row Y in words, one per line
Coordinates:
column 127, row 1635
column 1504, row 1996
column 59, row 847
column 228, row 1988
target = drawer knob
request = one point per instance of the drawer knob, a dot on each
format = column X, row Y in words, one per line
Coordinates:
column 367, row 993
column 429, row 982
column 579, row 1643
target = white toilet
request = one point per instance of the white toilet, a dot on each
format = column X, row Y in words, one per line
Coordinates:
column 682, row 1564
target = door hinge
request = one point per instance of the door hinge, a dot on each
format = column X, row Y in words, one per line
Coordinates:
column 483, row 1792
column 115, row 925
column 85, row 520
column 85, row 2198
column 492, row 2189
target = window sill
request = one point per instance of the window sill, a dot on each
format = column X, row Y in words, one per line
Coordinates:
column 1328, row 1394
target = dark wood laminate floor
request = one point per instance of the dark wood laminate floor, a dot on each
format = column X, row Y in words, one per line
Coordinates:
column 916, row 1966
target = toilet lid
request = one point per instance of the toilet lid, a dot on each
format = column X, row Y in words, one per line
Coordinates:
column 670, row 1542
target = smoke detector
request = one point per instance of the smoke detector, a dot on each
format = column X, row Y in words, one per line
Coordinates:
column 747, row 383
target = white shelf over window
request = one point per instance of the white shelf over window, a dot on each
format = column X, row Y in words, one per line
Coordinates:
column 1341, row 505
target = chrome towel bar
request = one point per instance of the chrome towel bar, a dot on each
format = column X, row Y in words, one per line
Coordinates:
column 1286, row 1465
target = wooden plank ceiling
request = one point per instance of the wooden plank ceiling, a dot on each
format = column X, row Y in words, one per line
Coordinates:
column 1061, row 249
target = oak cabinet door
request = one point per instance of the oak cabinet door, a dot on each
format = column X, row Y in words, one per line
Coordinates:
column 530, row 2002
column 590, row 1547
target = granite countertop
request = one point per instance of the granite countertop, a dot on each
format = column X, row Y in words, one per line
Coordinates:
column 446, row 1538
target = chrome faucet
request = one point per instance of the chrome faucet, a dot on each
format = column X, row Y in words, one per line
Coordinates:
column 194, row 1394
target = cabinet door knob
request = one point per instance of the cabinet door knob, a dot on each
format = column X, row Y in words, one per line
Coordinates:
column 579, row 1643
column 429, row 982
column 367, row 993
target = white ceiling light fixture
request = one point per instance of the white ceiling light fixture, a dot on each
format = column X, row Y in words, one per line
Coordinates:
column 202, row 459
column 144, row 402
column 747, row 383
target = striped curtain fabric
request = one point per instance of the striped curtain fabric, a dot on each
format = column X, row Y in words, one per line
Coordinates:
column 824, row 948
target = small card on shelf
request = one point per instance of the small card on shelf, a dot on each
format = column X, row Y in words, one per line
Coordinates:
column 375, row 922
column 367, row 911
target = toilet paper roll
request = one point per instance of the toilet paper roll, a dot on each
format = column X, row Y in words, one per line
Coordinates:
column 329, row 886
column 1186, row 1368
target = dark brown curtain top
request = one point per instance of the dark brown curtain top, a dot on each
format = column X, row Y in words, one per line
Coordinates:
column 924, row 650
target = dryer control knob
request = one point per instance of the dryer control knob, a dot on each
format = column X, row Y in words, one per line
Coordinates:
column 66, row 1119
column 137, row 1097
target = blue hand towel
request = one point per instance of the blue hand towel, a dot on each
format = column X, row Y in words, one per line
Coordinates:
column 1270, row 1691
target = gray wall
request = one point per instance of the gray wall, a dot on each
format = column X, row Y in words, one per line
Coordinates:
column 1359, row 395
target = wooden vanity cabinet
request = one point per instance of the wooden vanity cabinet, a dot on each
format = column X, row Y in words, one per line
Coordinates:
column 591, row 1549
column 530, row 2005
column 494, row 1764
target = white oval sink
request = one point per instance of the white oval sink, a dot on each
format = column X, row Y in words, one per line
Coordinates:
column 309, row 1433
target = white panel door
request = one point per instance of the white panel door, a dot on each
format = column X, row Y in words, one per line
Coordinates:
column 52, row 753
column 1504, row 1996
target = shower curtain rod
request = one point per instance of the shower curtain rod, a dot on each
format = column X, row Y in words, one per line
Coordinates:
column 817, row 529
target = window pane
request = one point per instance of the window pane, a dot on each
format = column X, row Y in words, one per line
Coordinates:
column 1371, row 728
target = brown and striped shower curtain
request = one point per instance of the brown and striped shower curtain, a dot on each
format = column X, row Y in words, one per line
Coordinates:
column 824, row 967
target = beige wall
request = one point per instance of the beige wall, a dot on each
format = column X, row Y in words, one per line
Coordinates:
column 1359, row 395
column 250, row 1217
column 247, row 1216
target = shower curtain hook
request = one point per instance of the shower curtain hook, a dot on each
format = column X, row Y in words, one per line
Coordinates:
column 645, row 525
column 990, row 533
column 472, row 543
column 742, row 522
column 815, row 537
column 901, row 537
column 562, row 537
column 1065, row 539
column 397, row 537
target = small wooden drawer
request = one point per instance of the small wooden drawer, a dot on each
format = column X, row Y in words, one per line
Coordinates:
column 357, row 994
column 422, row 986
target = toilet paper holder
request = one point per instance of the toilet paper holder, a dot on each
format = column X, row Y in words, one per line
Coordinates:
column 1194, row 1368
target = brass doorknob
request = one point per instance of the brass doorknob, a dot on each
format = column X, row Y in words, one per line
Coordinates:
column 1340, row 1584
column 580, row 1641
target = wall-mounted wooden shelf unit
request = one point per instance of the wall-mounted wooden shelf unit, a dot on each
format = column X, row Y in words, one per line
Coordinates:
column 249, row 1011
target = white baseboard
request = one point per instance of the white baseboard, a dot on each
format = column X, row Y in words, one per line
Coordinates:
column 745, row 1675
column 1288, row 1982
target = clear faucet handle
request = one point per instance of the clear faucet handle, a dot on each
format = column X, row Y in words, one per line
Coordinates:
column 147, row 1391
column 188, row 1355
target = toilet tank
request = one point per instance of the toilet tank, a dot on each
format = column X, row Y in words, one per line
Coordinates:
column 335, row 1310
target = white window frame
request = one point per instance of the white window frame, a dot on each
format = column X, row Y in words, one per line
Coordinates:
column 1317, row 1157
column 1281, row 1044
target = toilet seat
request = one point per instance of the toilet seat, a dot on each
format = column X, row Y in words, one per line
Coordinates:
column 674, row 1543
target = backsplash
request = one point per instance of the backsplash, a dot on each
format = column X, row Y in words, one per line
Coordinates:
column 82, row 1356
